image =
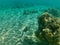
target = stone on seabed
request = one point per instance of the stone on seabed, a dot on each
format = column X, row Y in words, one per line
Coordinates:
column 48, row 29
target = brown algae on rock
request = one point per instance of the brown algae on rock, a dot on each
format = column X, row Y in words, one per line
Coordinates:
column 48, row 29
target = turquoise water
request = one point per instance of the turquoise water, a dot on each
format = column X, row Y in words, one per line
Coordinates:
column 18, row 27
column 28, row 3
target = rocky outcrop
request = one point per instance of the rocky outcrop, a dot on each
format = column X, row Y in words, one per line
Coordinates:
column 48, row 29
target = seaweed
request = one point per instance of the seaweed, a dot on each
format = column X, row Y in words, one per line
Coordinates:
column 48, row 29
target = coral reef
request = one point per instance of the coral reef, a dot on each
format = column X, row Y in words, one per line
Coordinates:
column 48, row 29
column 53, row 11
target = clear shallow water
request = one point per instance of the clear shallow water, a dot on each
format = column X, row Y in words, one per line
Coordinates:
column 28, row 3
column 16, row 27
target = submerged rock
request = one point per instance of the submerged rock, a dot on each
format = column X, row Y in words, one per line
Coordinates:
column 48, row 29
column 53, row 11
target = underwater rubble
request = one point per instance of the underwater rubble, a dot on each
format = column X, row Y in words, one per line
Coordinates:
column 27, row 12
column 48, row 29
